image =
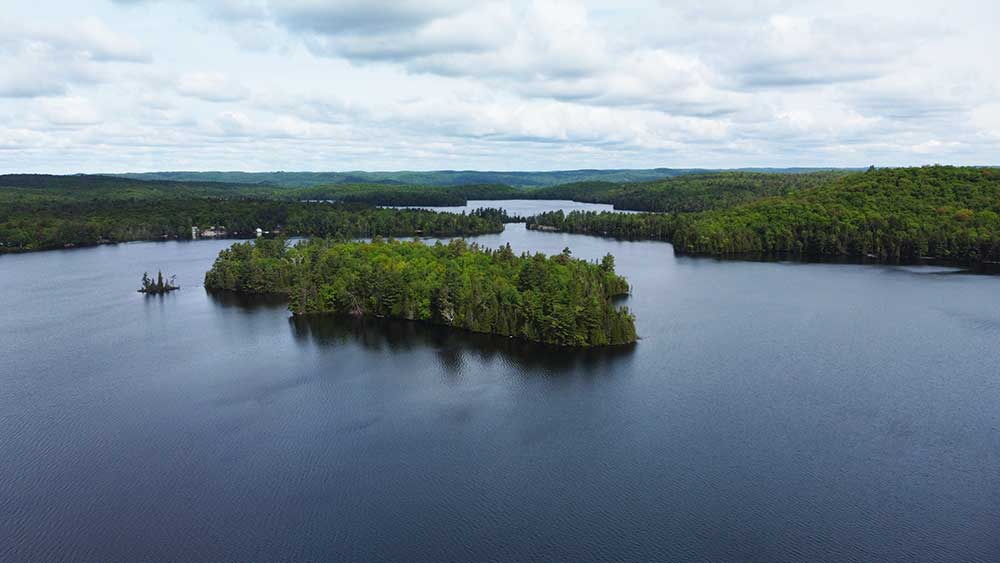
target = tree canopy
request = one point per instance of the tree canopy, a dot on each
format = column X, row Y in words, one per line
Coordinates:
column 44, row 224
column 556, row 300
column 890, row 215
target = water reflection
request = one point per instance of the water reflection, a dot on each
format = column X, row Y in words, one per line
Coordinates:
column 247, row 303
column 454, row 346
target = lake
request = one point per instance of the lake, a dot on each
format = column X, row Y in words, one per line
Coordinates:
column 521, row 207
column 771, row 412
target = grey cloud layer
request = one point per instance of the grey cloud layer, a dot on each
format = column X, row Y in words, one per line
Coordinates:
column 380, row 84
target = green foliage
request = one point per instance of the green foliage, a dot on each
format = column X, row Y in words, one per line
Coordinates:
column 406, row 195
column 78, row 188
column 161, row 285
column 42, row 211
column 251, row 267
column 890, row 215
column 632, row 226
column 557, row 300
column 432, row 178
column 28, row 188
column 43, row 224
column 689, row 193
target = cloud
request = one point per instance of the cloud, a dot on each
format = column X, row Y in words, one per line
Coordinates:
column 234, row 124
column 499, row 84
column 356, row 17
column 21, row 82
column 88, row 38
column 548, row 49
column 47, row 60
column 211, row 87
column 71, row 111
column 789, row 51
column 93, row 37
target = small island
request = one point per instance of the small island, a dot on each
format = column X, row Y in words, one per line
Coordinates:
column 557, row 300
column 158, row 287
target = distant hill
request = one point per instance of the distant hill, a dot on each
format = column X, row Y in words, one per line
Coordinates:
column 440, row 177
column 88, row 187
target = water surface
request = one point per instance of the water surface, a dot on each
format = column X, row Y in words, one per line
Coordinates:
column 771, row 412
column 524, row 207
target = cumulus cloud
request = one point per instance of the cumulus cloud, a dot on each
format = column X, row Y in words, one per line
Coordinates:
column 234, row 123
column 89, row 38
column 211, row 87
column 19, row 81
column 46, row 60
column 70, row 111
column 97, row 40
column 520, row 83
column 360, row 16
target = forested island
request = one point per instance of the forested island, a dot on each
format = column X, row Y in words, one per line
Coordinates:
column 158, row 286
column 887, row 215
column 557, row 300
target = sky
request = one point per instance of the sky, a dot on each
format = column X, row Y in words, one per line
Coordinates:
column 259, row 85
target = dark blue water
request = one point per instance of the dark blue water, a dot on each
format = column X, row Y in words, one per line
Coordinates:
column 772, row 412
column 524, row 207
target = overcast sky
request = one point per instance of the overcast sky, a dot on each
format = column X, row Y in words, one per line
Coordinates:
column 141, row 85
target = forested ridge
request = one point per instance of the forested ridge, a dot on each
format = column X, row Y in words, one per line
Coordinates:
column 46, row 225
column 556, row 300
column 891, row 215
column 430, row 196
column 449, row 178
column 689, row 193
column 78, row 188
column 681, row 193
column 47, row 188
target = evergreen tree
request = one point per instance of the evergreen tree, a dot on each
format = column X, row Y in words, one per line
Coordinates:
column 558, row 300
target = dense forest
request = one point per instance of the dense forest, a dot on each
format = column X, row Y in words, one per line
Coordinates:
column 40, row 225
column 28, row 188
column 630, row 226
column 48, row 188
column 556, row 300
column 412, row 196
column 689, row 193
column 449, row 178
column 684, row 193
column 890, row 215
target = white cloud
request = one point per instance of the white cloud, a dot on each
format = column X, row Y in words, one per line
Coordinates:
column 211, row 87
column 234, row 123
column 360, row 16
column 47, row 60
column 101, row 43
column 498, row 84
column 88, row 38
column 70, row 111
column 23, row 81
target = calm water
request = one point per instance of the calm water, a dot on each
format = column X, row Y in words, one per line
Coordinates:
column 772, row 412
column 524, row 207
